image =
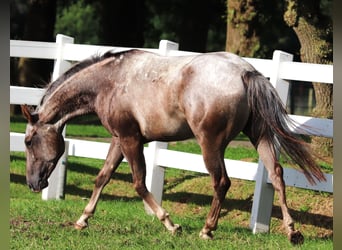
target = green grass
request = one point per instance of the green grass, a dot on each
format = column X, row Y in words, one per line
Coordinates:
column 120, row 221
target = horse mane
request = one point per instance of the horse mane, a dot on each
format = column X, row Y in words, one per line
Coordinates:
column 77, row 68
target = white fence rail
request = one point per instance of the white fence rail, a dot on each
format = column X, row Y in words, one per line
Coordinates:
column 280, row 69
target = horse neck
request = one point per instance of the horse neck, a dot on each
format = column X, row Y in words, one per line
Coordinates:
column 75, row 97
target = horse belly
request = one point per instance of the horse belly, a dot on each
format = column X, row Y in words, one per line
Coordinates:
column 165, row 128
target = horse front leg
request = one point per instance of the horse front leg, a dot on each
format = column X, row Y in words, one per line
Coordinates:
column 275, row 173
column 133, row 151
column 114, row 158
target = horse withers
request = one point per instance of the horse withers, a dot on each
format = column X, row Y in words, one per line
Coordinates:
column 141, row 97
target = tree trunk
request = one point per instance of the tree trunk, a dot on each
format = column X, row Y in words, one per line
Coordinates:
column 255, row 28
column 242, row 38
column 314, row 32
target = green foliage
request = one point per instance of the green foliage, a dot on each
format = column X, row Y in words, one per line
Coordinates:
column 79, row 20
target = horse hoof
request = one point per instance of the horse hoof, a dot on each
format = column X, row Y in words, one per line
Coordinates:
column 206, row 235
column 296, row 238
column 80, row 226
column 177, row 229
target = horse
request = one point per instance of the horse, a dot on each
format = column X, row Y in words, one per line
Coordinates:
column 141, row 97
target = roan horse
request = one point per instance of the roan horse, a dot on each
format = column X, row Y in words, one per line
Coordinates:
column 141, row 97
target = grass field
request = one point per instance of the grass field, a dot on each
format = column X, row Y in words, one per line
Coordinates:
column 120, row 221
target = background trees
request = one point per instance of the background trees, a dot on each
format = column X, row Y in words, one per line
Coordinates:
column 255, row 28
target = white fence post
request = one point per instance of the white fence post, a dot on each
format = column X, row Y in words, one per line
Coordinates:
column 264, row 192
column 57, row 179
column 155, row 173
column 165, row 46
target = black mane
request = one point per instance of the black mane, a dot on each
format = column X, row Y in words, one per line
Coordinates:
column 76, row 68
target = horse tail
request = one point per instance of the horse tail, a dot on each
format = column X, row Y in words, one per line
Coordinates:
column 268, row 111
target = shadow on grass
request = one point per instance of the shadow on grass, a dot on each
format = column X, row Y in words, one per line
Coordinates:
column 90, row 170
column 17, row 178
column 307, row 218
column 74, row 190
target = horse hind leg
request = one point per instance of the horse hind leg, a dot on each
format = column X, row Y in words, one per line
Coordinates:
column 133, row 151
column 114, row 158
column 275, row 173
column 214, row 162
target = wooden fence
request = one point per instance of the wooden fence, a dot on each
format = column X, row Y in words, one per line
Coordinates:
column 280, row 70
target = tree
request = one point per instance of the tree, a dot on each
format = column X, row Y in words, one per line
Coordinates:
column 78, row 20
column 255, row 28
column 242, row 19
column 314, row 31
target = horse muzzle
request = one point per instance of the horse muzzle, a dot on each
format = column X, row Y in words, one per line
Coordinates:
column 39, row 186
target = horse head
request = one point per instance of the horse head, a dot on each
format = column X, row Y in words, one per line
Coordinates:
column 44, row 146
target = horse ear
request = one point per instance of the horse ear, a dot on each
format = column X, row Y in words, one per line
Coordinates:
column 26, row 110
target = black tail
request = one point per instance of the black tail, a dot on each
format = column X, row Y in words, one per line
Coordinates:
column 272, row 118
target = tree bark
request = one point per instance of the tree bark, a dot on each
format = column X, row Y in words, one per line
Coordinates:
column 242, row 38
column 314, row 32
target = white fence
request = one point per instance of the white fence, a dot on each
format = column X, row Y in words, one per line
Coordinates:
column 280, row 69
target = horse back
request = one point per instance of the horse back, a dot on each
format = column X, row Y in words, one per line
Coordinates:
column 168, row 97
